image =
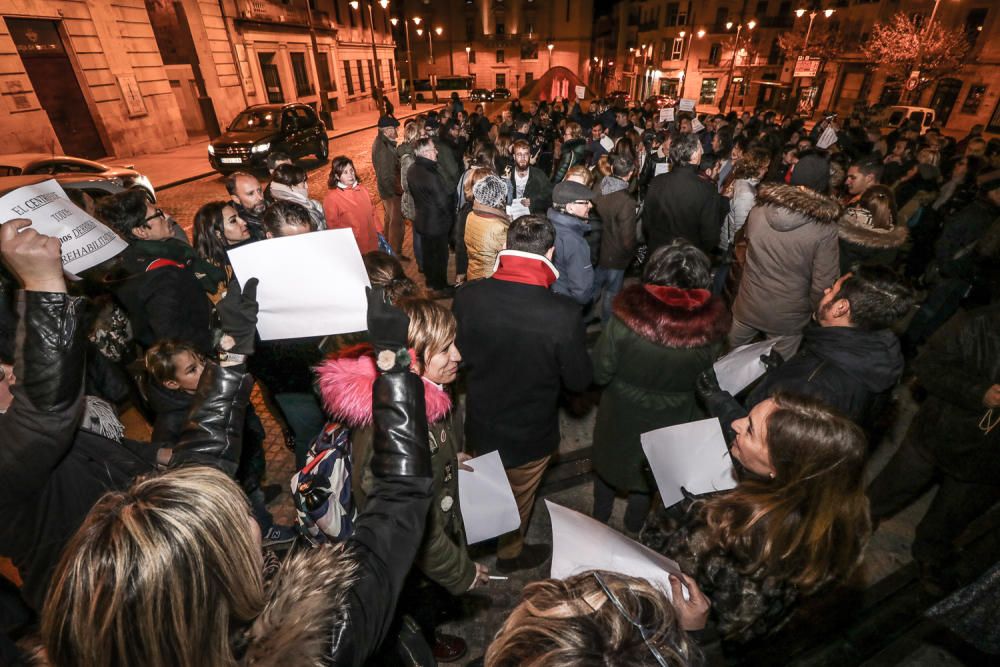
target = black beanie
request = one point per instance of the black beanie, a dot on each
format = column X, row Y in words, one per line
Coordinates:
column 812, row 171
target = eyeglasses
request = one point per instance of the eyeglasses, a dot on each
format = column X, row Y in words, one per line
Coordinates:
column 157, row 213
column 643, row 630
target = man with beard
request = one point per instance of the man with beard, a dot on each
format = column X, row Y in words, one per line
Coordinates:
column 248, row 199
column 528, row 184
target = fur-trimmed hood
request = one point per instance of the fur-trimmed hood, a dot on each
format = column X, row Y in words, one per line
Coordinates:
column 789, row 207
column 671, row 326
column 345, row 385
column 308, row 601
column 855, row 228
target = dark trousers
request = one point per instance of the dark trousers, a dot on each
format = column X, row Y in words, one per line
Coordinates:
column 635, row 510
column 955, row 505
column 435, row 260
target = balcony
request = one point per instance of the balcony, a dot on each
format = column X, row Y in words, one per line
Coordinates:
column 706, row 64
column 784, row 22
column 272, row 12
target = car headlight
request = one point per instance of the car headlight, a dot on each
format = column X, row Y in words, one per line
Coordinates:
column 211, row 149
column 261, row 148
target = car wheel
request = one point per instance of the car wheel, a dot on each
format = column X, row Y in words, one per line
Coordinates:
column 323, row 152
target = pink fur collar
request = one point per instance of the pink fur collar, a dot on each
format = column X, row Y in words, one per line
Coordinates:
column 345, row 385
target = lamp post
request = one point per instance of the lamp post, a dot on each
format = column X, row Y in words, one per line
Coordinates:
column 468, row 61
column 409, row 61
column 751, row 24
column 430, row 40
column 687, row 57
column 321, row 84
column 550, row 46
column 797, row 85
column 377, row 91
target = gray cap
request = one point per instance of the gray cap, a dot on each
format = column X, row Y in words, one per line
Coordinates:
column 568, row 192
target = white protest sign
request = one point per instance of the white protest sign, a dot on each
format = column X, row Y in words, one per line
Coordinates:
column 607, row 143
column 667, row 115
column 517, row 209
column 827, row 139
column 310, row 284
column 488, row 505
column 581, row 544
column 697, row 125
column 685, row 104
column 660, row 168
column 742, row 366
column 581, row 92
column 692, row 455
column 86, row 242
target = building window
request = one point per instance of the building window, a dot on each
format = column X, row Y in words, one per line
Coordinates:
column 347, row 77
column 669, row 87
column 715, row 54
column 501, row 29
column 529, row 27
column 891, row 94
column 303, row 86
column 323, row 67
column 708, row 89
column 528, row 77
column 371, row 75
column 501, row 80
column 673, row 8
column 361, row 76
column 499, row 55
column 774, row 55
column 678, row 48
column 761, row 10
column 529, row 50
column 664, row 47
column 350, row 17
column 472, row 57
column 974, row 23
column 392, row 73
column 721, row 16
column 336, row 12
column 470, row 30
column 973, row 99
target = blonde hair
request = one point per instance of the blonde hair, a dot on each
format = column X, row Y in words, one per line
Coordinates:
column 574, row 130
column 432, row 327
column 504, row 144
column 573, row 623
column 157, row 575
column 412, row 131
column 580, row 174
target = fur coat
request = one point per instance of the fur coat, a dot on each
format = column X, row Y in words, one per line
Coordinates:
column 649, row 356
column 792, row 257
column 863, row 244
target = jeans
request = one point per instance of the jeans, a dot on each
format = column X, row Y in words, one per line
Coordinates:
column 305, row 420
column 942, row 302
column 635, row 511
column 609, row 282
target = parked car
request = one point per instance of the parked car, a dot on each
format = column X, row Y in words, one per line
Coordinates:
column 293, row 129
column 480, row 95
column 893, row 116
column 67, row 169
column 619, row 98
column 660, row 101
column 501, row 93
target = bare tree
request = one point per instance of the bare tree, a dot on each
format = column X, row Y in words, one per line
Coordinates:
column 901, row 46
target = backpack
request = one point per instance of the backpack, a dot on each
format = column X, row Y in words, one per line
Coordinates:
column 321, row 491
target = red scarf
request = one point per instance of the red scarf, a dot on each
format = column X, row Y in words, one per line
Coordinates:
column 525, row 270
column 675, row 297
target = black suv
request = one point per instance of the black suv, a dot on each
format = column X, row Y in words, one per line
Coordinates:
column 293, row 129
column 501, row 93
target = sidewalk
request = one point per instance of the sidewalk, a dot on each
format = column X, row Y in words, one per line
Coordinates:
column 190, row 162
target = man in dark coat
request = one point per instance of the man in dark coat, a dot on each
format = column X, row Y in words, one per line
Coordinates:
column 953, row 440
column 162, row 284
column 527, row 183
column 617, row 210
column 680, row 204
column 248, row 200
column 385, row 160
column 432, row 200
column 522, row 345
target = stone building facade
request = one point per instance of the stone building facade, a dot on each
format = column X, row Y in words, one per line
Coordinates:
column 98, row 78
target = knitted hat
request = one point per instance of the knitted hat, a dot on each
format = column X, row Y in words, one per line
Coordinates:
column 491, row 191
column 812, row 171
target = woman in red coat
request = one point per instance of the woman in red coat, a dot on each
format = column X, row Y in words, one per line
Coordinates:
column 349, row 206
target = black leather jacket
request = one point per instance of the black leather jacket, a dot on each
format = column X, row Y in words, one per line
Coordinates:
column 52, row 473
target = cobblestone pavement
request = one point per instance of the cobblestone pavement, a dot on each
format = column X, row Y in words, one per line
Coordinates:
column 485, row 610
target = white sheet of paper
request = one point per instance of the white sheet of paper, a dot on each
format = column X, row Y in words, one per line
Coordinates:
column 310, row 284
column 86, row 242
column 607, row 143
column 827, row 138
column 685, row 104
column 742, row 366
column 692, row 455
column 667, row 115
column 517, row 209
column 660, row 168
column 580, row 543
column 488, row 505
column 581, row 92
column 697, row 125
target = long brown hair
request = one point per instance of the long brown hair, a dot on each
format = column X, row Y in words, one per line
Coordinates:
column 157, row 575
column 810, row 523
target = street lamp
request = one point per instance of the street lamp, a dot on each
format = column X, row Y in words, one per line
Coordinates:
column 377, row 90
column 430, row 40
column 797, row 85
column 550, row 46
column 468, row 60
column 409, row 59
column 751, row 24
column 687, row 56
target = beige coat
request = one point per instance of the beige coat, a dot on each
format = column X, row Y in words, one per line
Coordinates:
column 485, row 236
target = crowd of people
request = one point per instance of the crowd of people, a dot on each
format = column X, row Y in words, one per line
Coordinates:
column 868, row 258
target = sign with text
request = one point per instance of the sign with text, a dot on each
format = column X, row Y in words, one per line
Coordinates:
column 86, row 242
column 685, row 104
column 806, row 66
column 581, row 92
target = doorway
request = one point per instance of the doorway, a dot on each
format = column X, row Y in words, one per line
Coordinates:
column 944, row 98
column 58, row 90
column 272, row 80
